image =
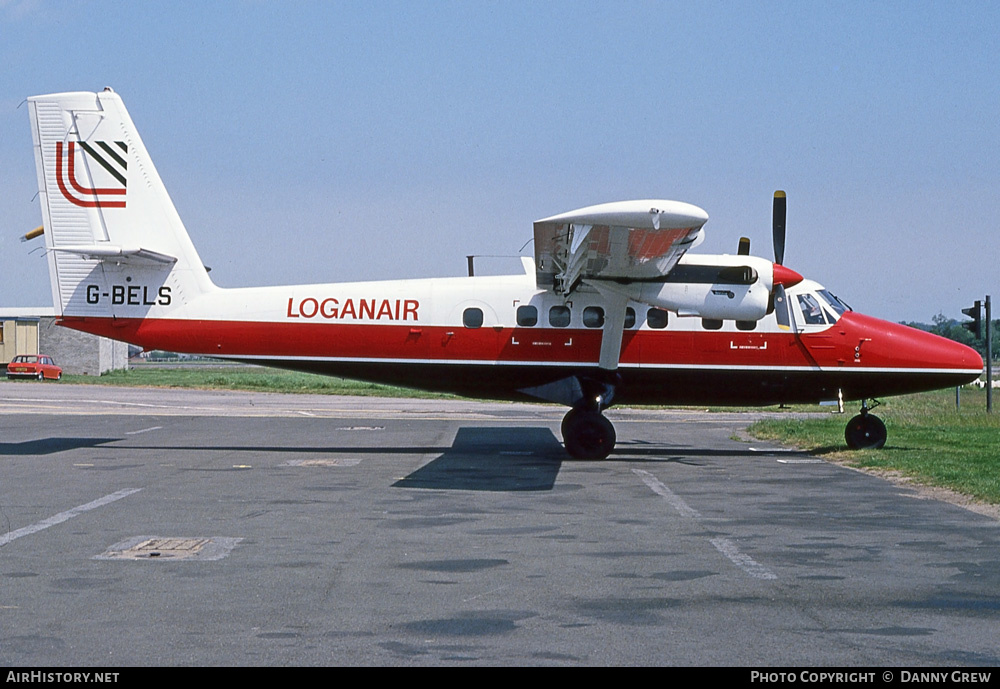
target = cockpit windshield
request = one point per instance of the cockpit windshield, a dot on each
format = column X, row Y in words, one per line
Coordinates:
column 834, row 302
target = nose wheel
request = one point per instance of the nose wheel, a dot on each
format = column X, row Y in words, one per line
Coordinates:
column 865, row 431
column 587, row 434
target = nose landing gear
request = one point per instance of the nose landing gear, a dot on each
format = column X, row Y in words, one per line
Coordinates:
column 585, row 431
column 865, row 431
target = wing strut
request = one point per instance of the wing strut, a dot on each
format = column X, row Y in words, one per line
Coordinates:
column 614, row 328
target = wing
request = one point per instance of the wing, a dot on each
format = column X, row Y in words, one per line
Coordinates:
column 628, row 240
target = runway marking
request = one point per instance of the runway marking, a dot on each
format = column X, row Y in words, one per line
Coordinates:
column 660, row 489
column 66, row 516
column 742, row 560
column 144, row 430
column 723, row 545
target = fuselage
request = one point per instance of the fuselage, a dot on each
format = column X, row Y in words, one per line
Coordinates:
column 504, row 338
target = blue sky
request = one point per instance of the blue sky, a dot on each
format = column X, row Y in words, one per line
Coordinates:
column 337, row 141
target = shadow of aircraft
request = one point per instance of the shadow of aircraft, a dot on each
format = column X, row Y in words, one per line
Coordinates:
column 489, row 459
column 493, row 459
column 48, row 446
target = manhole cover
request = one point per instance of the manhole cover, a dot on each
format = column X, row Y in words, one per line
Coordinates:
column 325, row 462
column 170, row 548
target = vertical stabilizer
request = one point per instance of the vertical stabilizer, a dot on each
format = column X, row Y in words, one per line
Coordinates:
column 116, row 246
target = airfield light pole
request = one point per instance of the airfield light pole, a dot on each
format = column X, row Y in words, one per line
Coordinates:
column 975, row 326
column 989, row 357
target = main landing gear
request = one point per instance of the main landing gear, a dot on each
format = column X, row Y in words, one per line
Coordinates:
column 587, row 434
column 585, row 431
column 865, row 431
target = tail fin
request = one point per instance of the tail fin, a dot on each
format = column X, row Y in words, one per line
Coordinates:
column 116, row 246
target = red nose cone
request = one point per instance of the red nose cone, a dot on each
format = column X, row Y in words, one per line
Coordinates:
column 896, row 345
column 786, row 276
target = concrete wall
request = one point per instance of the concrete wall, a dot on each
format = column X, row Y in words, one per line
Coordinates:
column 80, row 353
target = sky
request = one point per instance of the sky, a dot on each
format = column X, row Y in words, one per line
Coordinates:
column 309, row 142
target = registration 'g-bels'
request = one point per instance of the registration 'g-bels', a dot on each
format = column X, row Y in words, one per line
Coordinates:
column 612, row 308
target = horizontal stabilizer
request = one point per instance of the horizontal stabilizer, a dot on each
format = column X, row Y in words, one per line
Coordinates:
column 118, row 254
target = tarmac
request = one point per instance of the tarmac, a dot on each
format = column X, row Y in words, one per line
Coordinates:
column 151, row 527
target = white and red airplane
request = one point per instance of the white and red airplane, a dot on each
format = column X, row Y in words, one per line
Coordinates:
column 612, row 309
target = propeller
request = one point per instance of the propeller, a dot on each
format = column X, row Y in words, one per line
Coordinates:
column 778, row 226
column 777, row 230
column 782, row 275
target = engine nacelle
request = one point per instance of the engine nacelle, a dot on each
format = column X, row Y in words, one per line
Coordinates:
column 735, row 288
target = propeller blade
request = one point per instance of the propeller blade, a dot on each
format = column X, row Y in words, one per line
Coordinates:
column 778, row 226
column 744, row 249
column 781, row 308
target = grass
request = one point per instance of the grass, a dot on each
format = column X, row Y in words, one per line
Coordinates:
column 209, row 377
column 929, row 441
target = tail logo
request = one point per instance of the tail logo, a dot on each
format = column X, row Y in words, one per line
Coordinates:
column 95, row 157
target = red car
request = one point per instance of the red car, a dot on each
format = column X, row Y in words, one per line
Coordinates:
column 37, row 366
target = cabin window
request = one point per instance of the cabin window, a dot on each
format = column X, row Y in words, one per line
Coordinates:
column 629, row 317
column 593, row 317
column 472, row 318
column 527, row 316
column 559, row 316
column 656, row 318
column 711, row 324
column 812, row 313
column 746, row 325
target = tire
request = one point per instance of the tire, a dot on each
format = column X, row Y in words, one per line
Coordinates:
column 588, row 435
column 865, row 432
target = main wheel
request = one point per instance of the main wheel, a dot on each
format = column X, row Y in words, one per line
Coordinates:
column 588, row 435
column 865, row 432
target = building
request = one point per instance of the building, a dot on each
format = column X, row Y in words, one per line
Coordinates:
column 34, row 331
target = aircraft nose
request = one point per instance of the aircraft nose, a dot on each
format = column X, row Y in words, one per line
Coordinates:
column 899, row 347
column 927, row 350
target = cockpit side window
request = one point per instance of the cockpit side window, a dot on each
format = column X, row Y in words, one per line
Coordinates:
column 812, row 312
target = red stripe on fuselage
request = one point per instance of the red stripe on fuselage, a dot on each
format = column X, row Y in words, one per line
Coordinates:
column 438, row 343
column 855, row 342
